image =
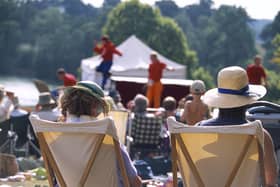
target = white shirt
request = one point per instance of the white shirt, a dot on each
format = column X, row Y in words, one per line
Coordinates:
column 18, row 113
column 6, row 107
column 50, row 115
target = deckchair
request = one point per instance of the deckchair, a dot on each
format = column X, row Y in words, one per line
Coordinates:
column 81, row 154
column 120, row 118
column 217, row 156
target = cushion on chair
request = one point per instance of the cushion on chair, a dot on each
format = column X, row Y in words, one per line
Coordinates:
column 146, row 129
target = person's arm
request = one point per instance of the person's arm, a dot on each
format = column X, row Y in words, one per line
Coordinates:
column 5, row 107
column 270, row 162
column 133, row 177
column 207, row 112
column 98, row 49
column 264, row 81
column 116, row 51
column 170, row 68
column 183, row 117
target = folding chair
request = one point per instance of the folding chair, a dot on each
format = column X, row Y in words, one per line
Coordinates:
column 120, row 118
column 81, row 154
column 217, row 156
column 7, row 138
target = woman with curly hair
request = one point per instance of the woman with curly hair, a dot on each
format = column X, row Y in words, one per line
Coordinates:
column 85, row 102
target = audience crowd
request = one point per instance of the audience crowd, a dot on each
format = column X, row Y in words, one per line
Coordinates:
column 147, row 127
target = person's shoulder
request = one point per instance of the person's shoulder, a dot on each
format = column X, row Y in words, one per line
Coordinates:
column 188, row 104
column 70, row 76
column 250, row 66
column 111, row 45
column 162, row 63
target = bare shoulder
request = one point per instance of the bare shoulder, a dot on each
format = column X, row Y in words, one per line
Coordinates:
column 267, row 136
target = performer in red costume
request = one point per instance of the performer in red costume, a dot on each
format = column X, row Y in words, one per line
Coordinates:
column 106, row 50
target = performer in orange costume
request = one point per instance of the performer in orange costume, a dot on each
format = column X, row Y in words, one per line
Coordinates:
column 155, row 86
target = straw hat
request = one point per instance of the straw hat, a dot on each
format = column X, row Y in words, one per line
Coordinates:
column 233, row 89
column 197, row 87
column 45, row 98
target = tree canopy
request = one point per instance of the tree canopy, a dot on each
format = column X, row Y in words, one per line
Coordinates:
column 160, row 33
column 36, row 36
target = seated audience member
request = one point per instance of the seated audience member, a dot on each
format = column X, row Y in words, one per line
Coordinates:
column 145, row 127
column 46, row 108
column 117, row 99
column 111, row 103
column 17, row 111
column 140, row 104
column 85, row 102
column 130, row 105
column 6, row 104
column 232, row 96
column 195, row 110
column 169, row 104
column 67, row 78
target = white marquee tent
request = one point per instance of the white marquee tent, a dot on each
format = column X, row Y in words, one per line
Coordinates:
column 134, row 62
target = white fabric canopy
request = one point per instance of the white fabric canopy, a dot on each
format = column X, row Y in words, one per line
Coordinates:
column 134, row 62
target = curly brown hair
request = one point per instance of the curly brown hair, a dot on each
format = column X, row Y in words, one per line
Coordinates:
column 78, row 102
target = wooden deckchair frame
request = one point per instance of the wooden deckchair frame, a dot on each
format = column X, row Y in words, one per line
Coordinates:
column 177, row 139
column 125, row 114
column 54, row 172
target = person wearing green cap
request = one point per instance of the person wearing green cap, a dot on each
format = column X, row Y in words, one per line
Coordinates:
column 85, row 102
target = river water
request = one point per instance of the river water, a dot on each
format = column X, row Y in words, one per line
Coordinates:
column 24, row 88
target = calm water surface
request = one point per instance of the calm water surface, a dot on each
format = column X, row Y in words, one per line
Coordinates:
column 24, row 88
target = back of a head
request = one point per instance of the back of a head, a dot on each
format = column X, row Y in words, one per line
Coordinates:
column 197, row 87
column 60, row 71
column 258, row 60
column 46, row 100
column 141, row 103
column 82, row 98
column 169, row 103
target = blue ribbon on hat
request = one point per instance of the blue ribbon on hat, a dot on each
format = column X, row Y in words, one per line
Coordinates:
column 242, row 91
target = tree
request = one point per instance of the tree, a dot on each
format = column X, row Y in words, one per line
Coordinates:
column 271, row 30
column 9, row 35
column 204, row 75
column 111, row 3
column 162, row 34
column 276, row 53
column 269, row 34
column 273, row 86
column 230, row 40
column 167, row 8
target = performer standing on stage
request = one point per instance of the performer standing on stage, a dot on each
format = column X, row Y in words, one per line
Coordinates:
column 154, row 87
column 106, row 50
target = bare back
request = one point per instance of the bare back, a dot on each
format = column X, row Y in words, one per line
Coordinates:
column 194, row 111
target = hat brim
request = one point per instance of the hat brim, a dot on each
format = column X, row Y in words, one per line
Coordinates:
column 215, row 99
column 52, row 102
column 101, row 100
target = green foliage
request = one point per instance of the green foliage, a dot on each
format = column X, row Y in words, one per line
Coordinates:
column 37, row 37
column 234, row 42
column 269, row 34
column 204, row 75
column 276, row 53
column 168, row 8
column 161, row 33
column 272, row 29
column 221, row 37
column 273, row 87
